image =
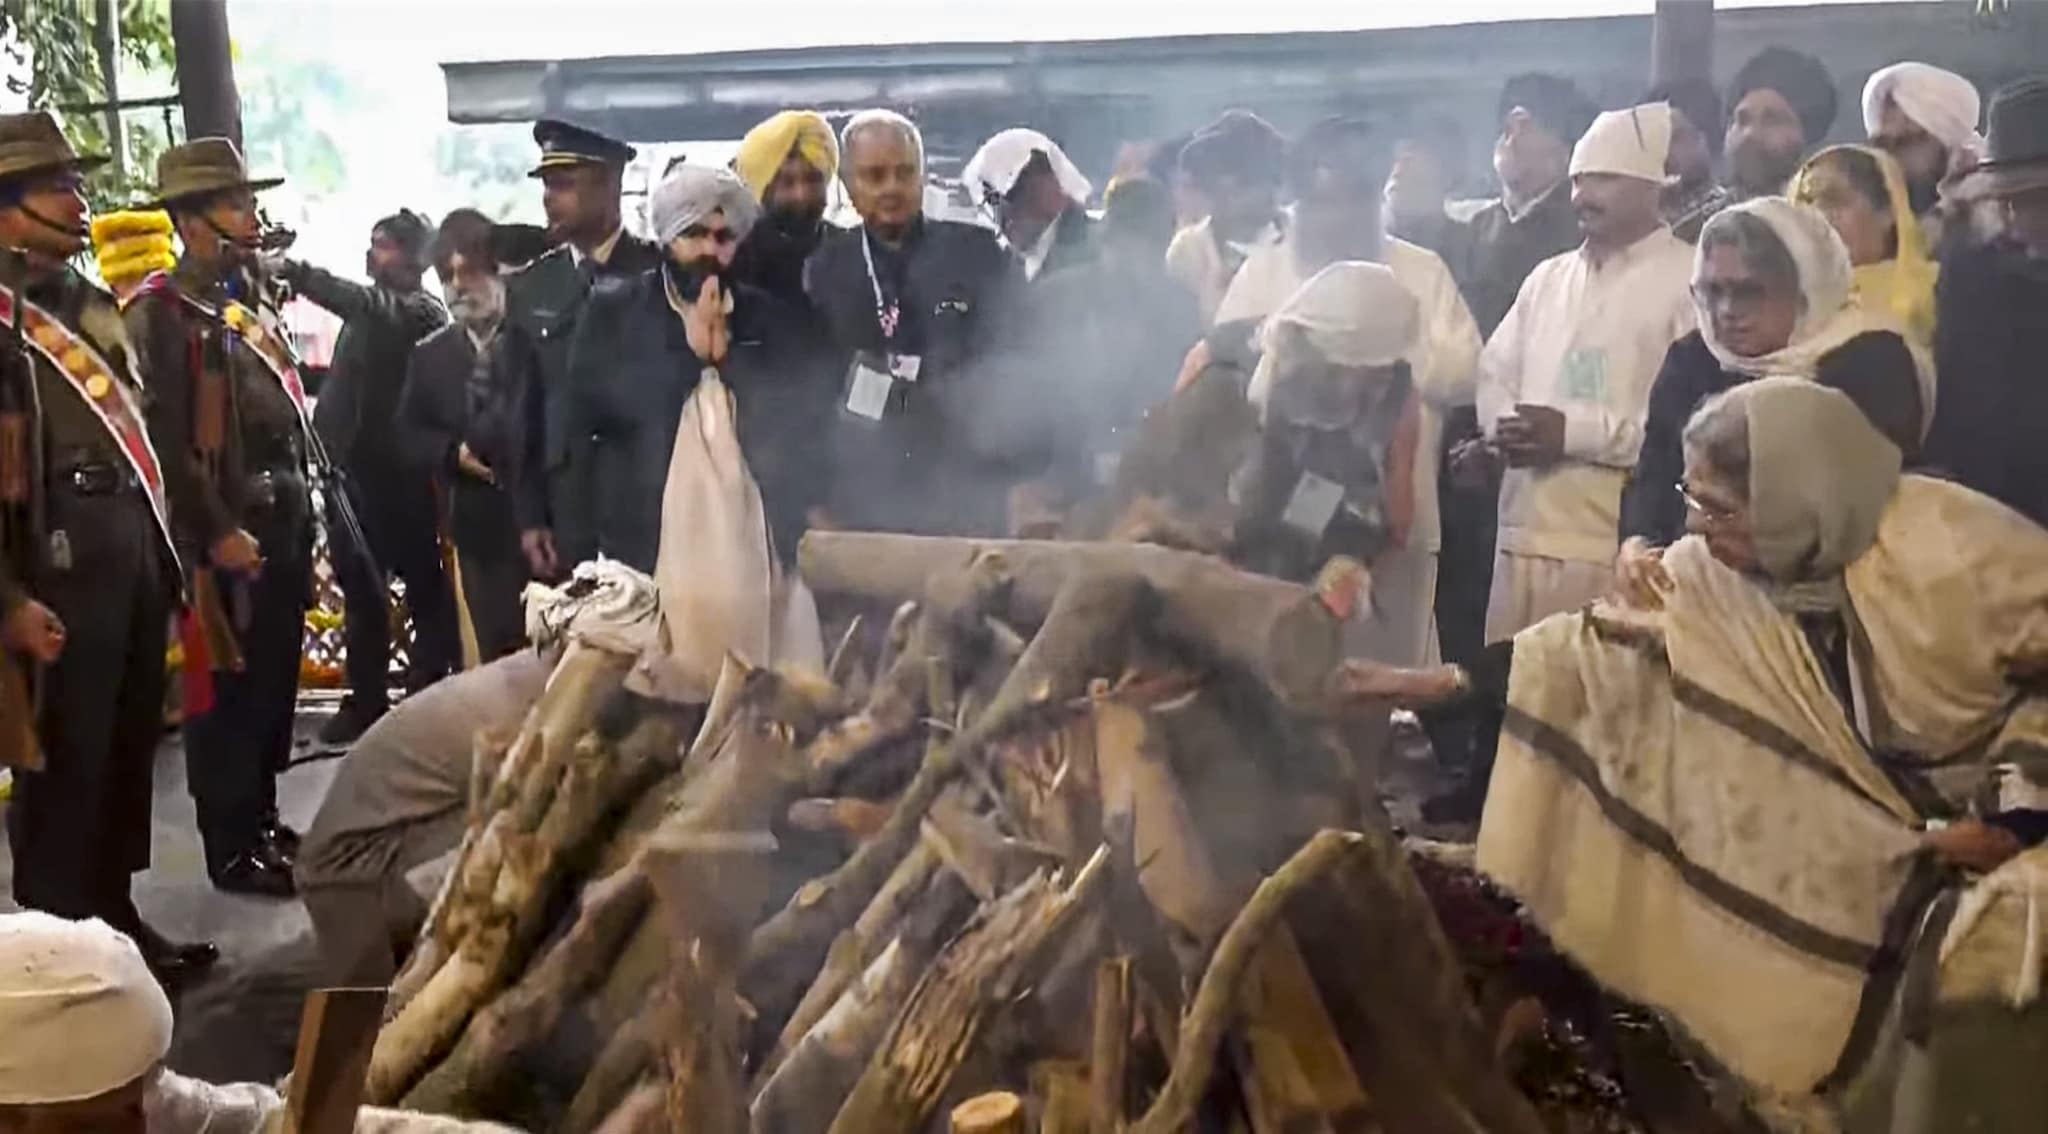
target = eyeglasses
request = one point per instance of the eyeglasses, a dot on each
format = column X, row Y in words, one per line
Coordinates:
column 715, row 235
column 1707, row 512
column 1740, row 293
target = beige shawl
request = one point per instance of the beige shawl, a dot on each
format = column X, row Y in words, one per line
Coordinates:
column 1684, row 806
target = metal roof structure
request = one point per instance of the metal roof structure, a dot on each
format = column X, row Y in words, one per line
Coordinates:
column 1092, row 93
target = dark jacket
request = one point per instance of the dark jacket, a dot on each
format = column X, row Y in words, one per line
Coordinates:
column 630, row 396
column 88, row 490
column 773, row 261
column 917, row 469
column 452, row 398
column 1991, row 350
column 1875, row 369
column 258, row 481
column 1073, row 243
column 359, row 400
column 542, row 303
column 1494, row 254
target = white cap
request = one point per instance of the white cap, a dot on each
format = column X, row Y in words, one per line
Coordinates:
column 1633, row 143
column 996, row 166
column 80, row 1014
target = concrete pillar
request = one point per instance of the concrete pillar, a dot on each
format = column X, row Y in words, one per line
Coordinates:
column 1682, row 41
column 206, row 72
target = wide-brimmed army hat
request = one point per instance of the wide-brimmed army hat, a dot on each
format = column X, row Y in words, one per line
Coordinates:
column 201, row 167
column 565, row 144
column 32, row 143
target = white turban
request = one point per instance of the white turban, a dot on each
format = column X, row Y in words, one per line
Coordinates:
column 689, row 193
column 80, row 1014
column 995, row 167
column 1633, row 143
column 1940, row 102
column 1351, row 313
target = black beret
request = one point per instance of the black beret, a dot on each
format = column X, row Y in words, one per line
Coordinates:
column 1798, row 78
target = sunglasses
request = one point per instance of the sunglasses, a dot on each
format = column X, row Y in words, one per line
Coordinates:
column 1708, row 512
column 715, row 235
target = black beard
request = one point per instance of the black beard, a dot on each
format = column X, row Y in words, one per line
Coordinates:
column 689, row 277
column 795, row 223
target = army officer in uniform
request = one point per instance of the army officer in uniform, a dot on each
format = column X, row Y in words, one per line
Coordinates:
column 88, row 574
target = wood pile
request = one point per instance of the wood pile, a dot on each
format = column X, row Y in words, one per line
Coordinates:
column 1083, row 849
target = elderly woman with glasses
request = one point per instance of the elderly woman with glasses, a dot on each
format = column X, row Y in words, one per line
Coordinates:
column 1774, row 287
column 1758, row 806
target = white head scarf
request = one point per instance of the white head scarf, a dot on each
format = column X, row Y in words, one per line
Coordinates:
column 1350, row 313
column 689, row 193
column 995, row 167
column 1633, row 143
column 80, row 1014
column 1942, row 103
column 1827, row 282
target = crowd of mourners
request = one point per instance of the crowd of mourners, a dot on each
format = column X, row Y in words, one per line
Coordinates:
column 1696, row 477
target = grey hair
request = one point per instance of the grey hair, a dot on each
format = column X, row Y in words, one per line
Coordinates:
column 1760, row 248
column 878, row 118
column 1716, row 438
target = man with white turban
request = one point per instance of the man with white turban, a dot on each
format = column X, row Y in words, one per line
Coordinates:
column 1038, row 197
column 84, row 1029
column 1921, row 115
column 1564, row 381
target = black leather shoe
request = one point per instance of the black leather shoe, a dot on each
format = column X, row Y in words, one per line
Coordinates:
column 281, row 838
column 174, row 961
column 350, row 721
column 262, row 873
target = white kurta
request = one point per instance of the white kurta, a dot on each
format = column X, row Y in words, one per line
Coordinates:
column 1194, row 260
column 1586, row 339
column 1404, row 585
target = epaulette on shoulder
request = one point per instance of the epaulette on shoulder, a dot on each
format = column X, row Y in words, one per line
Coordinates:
column 552, row 253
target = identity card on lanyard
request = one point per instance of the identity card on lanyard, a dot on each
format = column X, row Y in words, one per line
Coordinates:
column 869, row 388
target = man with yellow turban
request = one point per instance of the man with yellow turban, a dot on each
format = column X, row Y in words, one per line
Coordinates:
column 787, row 162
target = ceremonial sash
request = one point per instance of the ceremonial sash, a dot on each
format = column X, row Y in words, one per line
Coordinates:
column 265, row 340
column 90, row 376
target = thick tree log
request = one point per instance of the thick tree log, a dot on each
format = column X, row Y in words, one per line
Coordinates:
column 998, row 1112
column 804, row 1093
column 1399, row 998
column 1279, row 630
column 611, row 909
column 856, row 948
column 645, row 1111
column 608, row 1085
column 583, row 680
column 1109, row 1048
column 982, row 970
column 1209, row 1017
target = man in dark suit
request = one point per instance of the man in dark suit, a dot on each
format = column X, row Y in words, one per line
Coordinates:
column 355, row 415
column 913, row 307
column 459, row 424
column 580, row 172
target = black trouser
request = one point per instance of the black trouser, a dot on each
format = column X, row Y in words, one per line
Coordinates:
column 80, row 827
column 235, row 750
column 1468, row 518
column 494, row 572
column 397, row 518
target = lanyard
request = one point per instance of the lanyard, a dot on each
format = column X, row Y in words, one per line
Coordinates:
column 888, row 312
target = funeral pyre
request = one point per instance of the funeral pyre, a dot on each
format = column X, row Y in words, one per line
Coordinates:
column 1068, row 838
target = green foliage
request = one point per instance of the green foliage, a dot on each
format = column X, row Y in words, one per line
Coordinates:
column 49, row 45
column 288, row 98
column 488, row 165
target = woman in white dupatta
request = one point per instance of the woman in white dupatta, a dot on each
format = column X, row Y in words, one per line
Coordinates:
column 1725, row 806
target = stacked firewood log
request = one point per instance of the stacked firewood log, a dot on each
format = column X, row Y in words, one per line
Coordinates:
column 1068, row 839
